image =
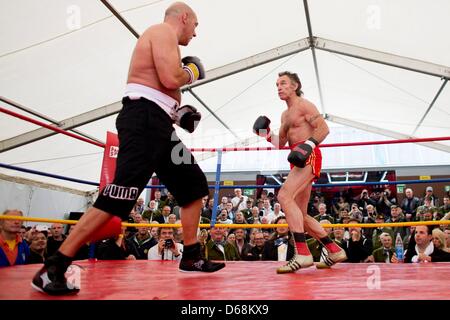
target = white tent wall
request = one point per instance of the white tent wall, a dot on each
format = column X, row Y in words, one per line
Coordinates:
column 437, row 122
column 41, row 202
column 404, row 95
column 68, row 76
column 373, row 156
column 229, row 30
column 411, row 28
column 240, row 98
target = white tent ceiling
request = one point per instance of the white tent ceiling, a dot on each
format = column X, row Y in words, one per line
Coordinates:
column 64, row 58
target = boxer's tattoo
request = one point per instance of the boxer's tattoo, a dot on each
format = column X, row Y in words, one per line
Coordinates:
column 313, row 118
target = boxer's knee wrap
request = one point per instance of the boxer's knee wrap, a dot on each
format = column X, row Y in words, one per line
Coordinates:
column 111, row 228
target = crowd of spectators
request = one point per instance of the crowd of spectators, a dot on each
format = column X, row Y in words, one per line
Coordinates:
column 23, row 245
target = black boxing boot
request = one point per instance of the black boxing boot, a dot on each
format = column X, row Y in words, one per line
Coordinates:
column 192, row 261
column 51, row 278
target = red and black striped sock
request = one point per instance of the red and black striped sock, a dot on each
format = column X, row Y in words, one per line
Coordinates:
column 300, row 243
column 330, row 245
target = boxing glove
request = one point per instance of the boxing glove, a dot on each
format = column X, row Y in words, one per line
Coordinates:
column 187, row 117
column 194, row 67
column 300, row 154
column 262, row 127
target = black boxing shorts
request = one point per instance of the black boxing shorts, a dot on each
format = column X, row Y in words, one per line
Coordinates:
column 149, row 144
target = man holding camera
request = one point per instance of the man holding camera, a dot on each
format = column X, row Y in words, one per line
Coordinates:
column 385, row 202
column 365, row 201
column 167, row 248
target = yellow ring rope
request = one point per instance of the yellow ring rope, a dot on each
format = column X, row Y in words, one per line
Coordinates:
column 235, row 226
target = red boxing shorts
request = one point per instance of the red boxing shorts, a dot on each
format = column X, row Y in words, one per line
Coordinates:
column 315, row 160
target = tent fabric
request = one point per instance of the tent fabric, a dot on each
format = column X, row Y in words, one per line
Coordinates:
column 64, row 58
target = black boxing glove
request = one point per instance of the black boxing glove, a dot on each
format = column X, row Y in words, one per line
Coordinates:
column 194, row 67
column 187, row 117
column 262, row 127
column 300, row 154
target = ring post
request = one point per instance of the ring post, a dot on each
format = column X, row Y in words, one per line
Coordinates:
column 216, row 187
column 91, row 255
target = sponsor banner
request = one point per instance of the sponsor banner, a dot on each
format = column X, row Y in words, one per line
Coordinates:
column 109, row 159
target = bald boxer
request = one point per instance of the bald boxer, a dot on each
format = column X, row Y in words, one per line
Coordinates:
column 151, row 105
column 304, row 129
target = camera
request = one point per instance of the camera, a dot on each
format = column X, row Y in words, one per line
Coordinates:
column 169, row 243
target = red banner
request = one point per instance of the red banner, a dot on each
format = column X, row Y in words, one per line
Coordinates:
column 109, row 159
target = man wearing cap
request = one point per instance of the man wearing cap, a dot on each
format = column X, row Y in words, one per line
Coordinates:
column 378, row 231
column 248, row 210
column 239, row 201
column 396, row 216
column 426, row 207
column 429, row 193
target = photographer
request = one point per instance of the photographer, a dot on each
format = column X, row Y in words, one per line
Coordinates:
column 339, row 205
column 356, row 213
column 365, row 201
column 385, row 202
column 167, row 248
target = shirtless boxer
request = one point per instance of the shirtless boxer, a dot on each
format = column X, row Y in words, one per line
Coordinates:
column 304, row 129
column 151, row 105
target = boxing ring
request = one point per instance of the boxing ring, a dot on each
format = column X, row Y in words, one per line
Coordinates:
column 240, row 280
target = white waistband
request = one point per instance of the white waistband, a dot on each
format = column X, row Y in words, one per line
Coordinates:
column 167, row 103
